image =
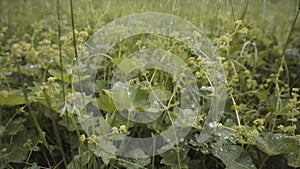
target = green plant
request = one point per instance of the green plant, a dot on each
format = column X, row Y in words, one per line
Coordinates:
column 41, row 89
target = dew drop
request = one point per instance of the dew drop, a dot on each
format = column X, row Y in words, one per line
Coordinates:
column 278, row 137
column 213, row 124
column 119, row 86
column 7, row 73
column 206, row 88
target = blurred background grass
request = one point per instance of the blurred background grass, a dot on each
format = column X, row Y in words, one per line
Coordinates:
column 271, row 16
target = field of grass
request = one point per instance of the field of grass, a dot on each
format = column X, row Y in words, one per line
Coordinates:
column 226, row 96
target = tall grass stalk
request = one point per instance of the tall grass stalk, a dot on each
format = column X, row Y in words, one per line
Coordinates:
column 245, row 10
column 283, row 64
column 232, row 10
column 60, row 56
column 79, row 78
column 62, row 85
column 35, row 121
column 283, row 61
column 56, row 132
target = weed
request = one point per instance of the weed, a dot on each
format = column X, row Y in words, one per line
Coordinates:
column 46, row 96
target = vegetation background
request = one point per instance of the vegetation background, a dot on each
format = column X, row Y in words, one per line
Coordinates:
column 258, row 42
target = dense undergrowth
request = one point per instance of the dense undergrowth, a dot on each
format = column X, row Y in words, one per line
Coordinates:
column 258, row 43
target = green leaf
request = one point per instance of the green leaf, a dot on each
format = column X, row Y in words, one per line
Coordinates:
column 184, row 117
column 117, row 60
column 73, row 141
column 15, row 126
column 2, row 129
column 100, row 85
column 69, row 122
column 96, row 125
column 170, row 158
column 137, row 162
column 79, row 160
column 275, row 144
column 104, row 128
column 262, row 95
column 162, row 94
column 13, row 98
column 105, row 103
column 224, row 134
column 232, row 156
column 196, row 140
column 27, row 139
column 294, row 158
column 67, row 78
column 57, row 74
column 30, row 69
column 126, row 65
column 24, row 142
column 34, row 166
column 13, row 153
column 120, row 96
column 104, row 154
column 139, row 96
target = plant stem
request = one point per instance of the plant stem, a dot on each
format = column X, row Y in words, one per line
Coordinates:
column 77, row 62
column 153, row 154
column 56, row 135
column 75, row 52
column 236, row 111
column 245, row 10
column 232, row 10
column 287, row 41
column 264, row 161
column 60, row 58
column 35, row 121
column 283, row 63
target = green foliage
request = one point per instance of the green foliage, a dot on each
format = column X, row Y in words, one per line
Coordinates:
column 233, row 156
column 39, row 128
